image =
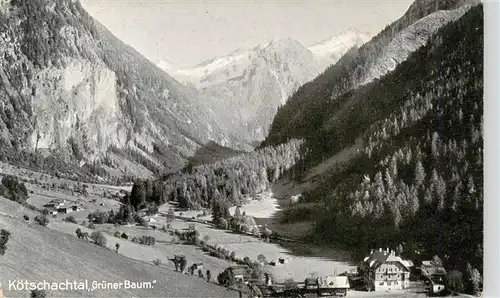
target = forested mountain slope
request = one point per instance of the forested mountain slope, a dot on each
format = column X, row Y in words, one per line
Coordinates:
column 418, row 182
column 211, row 153
column 233, row 180
column 73, row 90
column 309, row 109
column 219, row 184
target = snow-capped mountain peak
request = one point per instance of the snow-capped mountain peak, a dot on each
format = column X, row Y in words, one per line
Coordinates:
column 253, row 82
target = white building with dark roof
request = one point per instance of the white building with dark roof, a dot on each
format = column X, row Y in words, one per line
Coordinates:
column 384, row 271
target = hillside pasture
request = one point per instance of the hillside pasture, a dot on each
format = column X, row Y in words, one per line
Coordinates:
column 38, row 253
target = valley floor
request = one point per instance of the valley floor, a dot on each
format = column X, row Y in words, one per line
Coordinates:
column 54, row 253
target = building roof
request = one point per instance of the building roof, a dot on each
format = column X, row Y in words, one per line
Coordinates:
column 379, row 257
column 238, row 270
column 431, row 268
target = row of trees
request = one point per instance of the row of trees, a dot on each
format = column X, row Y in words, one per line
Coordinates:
column 231, row 181
column 13, row 189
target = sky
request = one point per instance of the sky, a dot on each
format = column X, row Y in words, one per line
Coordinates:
column 189, row 32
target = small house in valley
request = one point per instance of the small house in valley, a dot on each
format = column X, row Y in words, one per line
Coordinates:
column 67, row 209
column 432, row 268
column 63, row 210
column 239, row 272
column 50, row 206
column 434, row 274
column 54, row 204
column 383, row 271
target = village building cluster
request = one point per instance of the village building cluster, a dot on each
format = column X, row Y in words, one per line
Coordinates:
column 57, row 206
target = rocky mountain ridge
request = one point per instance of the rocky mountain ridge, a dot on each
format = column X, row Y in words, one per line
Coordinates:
column 320, row 98
column 70, row 86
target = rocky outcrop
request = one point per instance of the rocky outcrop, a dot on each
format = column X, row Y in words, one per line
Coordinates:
column 80, row 102
column 70, row 86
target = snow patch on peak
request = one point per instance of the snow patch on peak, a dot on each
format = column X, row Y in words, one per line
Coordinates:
column 166, row 65
column 339, row 44
column 410, row 40
column 207, row 68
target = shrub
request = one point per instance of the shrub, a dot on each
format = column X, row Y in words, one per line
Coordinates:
column 261, row 258
column 473, row 280
column 70, row 219
column 454, row 281
column 257, row 272
column 225, row 279
column 222, row 223
column 290, row 284
column 191, row 236
column 157, row 262
column 38, row 294
column 98, row 238
column 12, row 189
column 145, row 240
column 4, row 238
column 124, row 236
column 99, row 217
column 42, row 220
column 117, row 234
column 140, row 220
column 26, row 217
column 182, row 264
column 244, row 229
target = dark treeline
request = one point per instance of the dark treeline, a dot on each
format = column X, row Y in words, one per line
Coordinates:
column 231, row 180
